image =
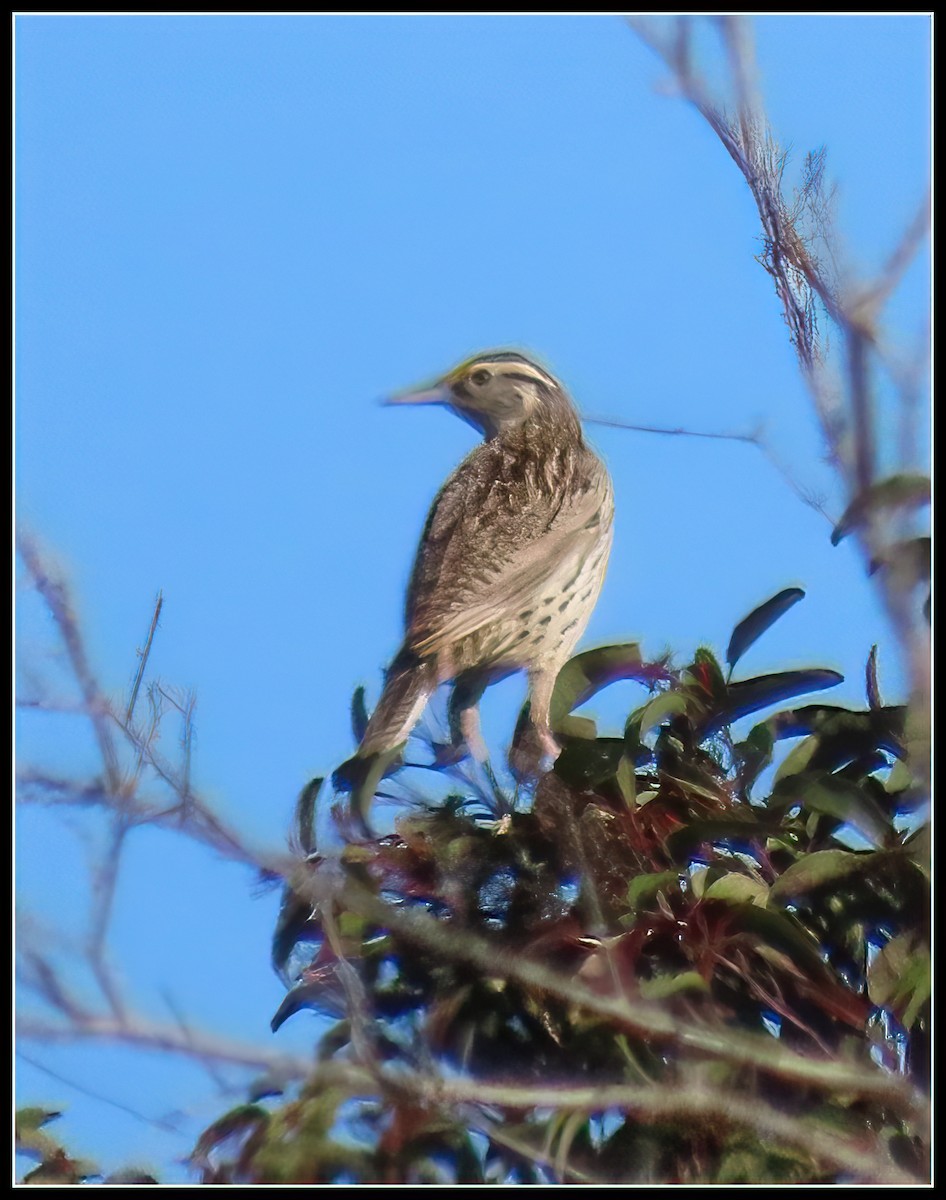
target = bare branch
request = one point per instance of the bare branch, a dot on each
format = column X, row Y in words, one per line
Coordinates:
column 640, row 1017
column 103, row 892
column 135, row 1030
column 689, row 1102
column 870, row 300
column 845, row 408
column 56, row 594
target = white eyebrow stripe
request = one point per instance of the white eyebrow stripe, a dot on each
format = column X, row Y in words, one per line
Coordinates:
column 522, row 369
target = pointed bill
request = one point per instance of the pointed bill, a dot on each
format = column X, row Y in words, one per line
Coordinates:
column 437, row 393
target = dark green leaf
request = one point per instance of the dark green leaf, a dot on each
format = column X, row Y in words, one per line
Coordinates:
column 359, row 715
column 736, row 888
column 751, row 628
column 900, row 976
column 798, row 758
column 749, row 695
column 897, row 492
column 818, row 868
column 870, row 675
column 305, row 817
column 643, row 888
column 244, row 1119
column 591, row 671
column 655, row 711
column 740, row 831
column 843, row 733
column 585, row 763
column 322, row 995
column 706, row 673
column 661, row 986
column 919, row 847
column 755, row 753
column 782, row 931
column 838, row 798
column 361, row 776
column 293, row 925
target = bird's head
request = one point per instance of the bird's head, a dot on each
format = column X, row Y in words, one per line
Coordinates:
column 497, row 393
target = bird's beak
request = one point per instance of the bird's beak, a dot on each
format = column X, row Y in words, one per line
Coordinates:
column 437, row 393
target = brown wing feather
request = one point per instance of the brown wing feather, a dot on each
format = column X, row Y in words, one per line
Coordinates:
column 500, row 526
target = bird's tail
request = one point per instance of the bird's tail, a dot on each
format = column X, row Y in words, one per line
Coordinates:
column 407, row 687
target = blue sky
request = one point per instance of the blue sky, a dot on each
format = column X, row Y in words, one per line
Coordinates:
column 233, row 236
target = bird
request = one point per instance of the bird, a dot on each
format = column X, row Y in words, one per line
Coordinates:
column 511, row 560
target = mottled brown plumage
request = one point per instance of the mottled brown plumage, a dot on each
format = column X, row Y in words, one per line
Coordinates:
column 512, row 556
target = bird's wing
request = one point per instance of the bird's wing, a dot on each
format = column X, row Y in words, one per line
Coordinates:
column 492, row 541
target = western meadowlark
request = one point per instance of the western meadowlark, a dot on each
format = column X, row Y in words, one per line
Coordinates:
column 511, row 559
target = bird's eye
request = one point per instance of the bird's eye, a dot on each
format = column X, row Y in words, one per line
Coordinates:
column 480, row 377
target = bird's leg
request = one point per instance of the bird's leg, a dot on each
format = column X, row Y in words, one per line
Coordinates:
column 541, row 684
column 464, row 713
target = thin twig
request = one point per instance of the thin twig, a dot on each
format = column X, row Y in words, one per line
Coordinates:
column 143, row 656
column 749, row 439
column 157, row 1122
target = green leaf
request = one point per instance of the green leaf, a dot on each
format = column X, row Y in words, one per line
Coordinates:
column 662, row 986
column 245, row 1118
column 304, row 818
column 627, row 781
column 899, row 779
column 838, row 798
column 363, row 776
column 797, row 758
column 359, row 715
column 706, row 673
column 577, row 727
column 32, row 1118
column 900, row 977
column 751, row 628
column 736, row 888
column 740, row 829
column 656, row 711
column 870, row 680
column 781, row 931
column 897, row 492
column 294, row 924
column 585, row 762
column 749, row 695
column 755, row 753
column 591, row 671
column 920, row 849
column 643, row 888
column 321, row 995
column 818, row 868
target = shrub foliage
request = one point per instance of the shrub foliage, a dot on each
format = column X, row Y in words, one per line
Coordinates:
column 695, row 953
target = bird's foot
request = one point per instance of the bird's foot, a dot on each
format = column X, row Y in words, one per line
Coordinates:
column 534, row 752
